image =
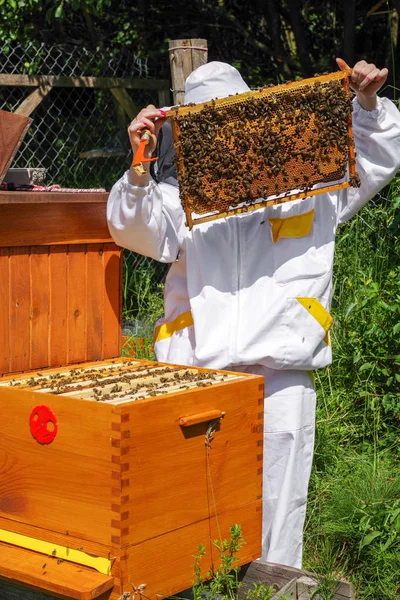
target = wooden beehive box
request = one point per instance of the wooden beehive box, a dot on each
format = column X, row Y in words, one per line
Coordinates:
column 122, row 482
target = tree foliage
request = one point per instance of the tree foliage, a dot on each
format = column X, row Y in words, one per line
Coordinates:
column 269, row 41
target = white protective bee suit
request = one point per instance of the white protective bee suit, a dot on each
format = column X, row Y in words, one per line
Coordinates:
column 252, row 293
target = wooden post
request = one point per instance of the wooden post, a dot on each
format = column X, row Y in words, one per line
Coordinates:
column 184, row 57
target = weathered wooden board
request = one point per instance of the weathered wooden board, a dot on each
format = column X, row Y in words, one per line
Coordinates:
column 298, row 587
column 63, row 579
column 281, row 575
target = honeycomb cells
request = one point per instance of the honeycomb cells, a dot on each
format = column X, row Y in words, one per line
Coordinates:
column 261, row 144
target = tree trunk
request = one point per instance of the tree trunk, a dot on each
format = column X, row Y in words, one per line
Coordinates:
column 349, row 29
column 394, row 50
column 274, row 28
column 296, row 23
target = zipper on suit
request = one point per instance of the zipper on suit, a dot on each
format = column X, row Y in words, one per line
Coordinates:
column 236, row 316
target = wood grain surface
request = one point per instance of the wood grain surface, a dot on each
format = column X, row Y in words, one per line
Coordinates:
column 61, row 579
column 40, row 223
column 60, row 305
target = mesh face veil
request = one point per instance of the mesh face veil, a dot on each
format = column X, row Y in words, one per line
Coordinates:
column 164, row 169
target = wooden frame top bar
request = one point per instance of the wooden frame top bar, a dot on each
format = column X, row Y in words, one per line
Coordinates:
column 259, row 93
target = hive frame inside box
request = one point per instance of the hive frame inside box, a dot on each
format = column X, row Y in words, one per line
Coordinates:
column 121, row 486
column 283, row 190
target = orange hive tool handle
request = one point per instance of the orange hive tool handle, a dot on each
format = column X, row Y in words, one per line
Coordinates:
column 144, row 140
column 139, row 154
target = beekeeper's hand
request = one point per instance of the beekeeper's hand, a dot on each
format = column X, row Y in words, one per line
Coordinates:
column 366, row 79
column 149, row 118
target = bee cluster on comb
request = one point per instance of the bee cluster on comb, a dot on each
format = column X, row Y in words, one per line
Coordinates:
column 236, row 152
column 118, row 381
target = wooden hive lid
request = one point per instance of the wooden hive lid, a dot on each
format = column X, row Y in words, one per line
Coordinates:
column 60, row 278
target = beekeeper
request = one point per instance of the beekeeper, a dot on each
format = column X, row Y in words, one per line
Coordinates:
column 252, row 292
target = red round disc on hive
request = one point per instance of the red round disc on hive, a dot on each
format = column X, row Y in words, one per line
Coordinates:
column 43, row 424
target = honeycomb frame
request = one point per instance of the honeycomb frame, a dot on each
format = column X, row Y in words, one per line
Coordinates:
column 264, row 147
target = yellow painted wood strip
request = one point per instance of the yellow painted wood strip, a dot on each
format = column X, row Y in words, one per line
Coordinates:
column 103, row 565
column 165, row 331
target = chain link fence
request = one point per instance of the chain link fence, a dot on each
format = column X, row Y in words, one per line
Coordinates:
column 79, row 134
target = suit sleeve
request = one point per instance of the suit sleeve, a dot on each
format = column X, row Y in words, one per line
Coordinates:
column 377, row 144
column 147, row 220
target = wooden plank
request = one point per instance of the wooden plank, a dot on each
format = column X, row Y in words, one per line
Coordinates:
column 62, row 579
column 280, row 575
column 35, row 318
column 86, row 82
column 288, row 591
column 306, row 586
column 53, row 197
column 58, row 266
column 185, row 56
column 112, row 321
column 95, row 301
column 39, row 307
column 55, row 537
column 32, row 101
column 164, row 97
column 124, row 99
column 38, row 224
column 19, row 309
column 267, row 573
column 77, row 306
column 4, row 311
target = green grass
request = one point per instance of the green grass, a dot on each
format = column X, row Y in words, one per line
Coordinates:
column 353, row 518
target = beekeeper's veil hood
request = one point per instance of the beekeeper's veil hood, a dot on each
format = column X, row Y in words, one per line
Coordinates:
column 210, row 81
column 213, row 80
